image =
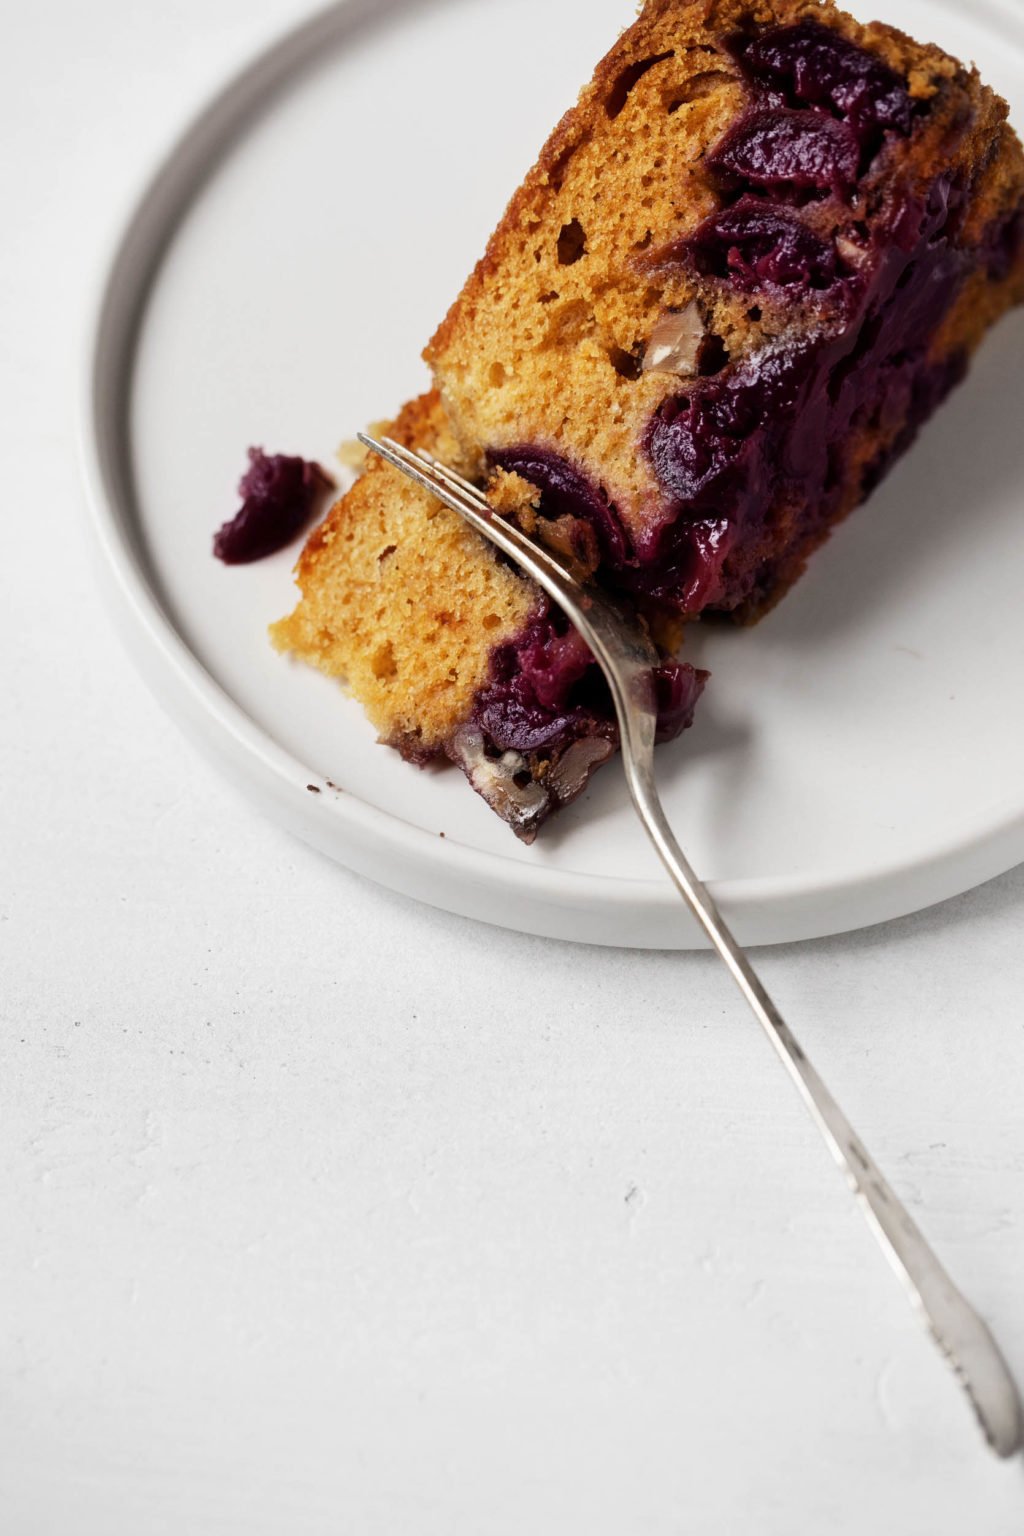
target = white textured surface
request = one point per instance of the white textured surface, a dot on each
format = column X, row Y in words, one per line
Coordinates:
column 325, row 1213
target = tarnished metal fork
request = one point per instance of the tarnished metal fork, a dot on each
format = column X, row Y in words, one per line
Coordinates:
column 627, row 658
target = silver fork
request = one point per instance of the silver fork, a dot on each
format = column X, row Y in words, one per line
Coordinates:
column 627, row 658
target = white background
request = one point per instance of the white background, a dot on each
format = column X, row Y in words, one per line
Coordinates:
column 325, row 1213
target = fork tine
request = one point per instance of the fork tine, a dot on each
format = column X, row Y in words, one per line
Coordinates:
column 429, row 468
column 425, row 471
column 468, row 502
column 458, row 481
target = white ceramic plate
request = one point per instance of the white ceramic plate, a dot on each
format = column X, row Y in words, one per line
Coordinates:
column 858, row 756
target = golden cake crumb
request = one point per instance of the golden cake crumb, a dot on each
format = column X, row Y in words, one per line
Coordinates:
column 401, row 600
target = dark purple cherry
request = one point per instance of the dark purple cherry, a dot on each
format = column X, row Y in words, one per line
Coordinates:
column 753, row 243
column 546, row 692
column 565, row 493
column 816, row 65
column 702, row 445
column 526, row 706
column 514, row 724
column 781, row 147
column 692, row 451
column 278, row 496
column 552, row 664
column 687, row 560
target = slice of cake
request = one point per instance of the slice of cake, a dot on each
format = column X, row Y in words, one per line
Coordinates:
column 746, row 268
column 453, row 653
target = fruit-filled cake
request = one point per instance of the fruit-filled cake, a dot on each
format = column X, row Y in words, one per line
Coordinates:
column 452, row 652
column 745, row 269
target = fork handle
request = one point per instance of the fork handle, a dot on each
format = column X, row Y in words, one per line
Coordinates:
column 960, row 1333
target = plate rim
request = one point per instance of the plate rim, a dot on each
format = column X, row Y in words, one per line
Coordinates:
column 543, row 900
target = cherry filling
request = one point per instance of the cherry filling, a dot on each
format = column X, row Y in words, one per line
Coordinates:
column 822, row 106
column 775, row 429
column 815, row 66
column 776, row 437
column 536, row 698
column 788, row 150
column 545, row 721
column 567, row 494
column 753, row 243
column 546, row 691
